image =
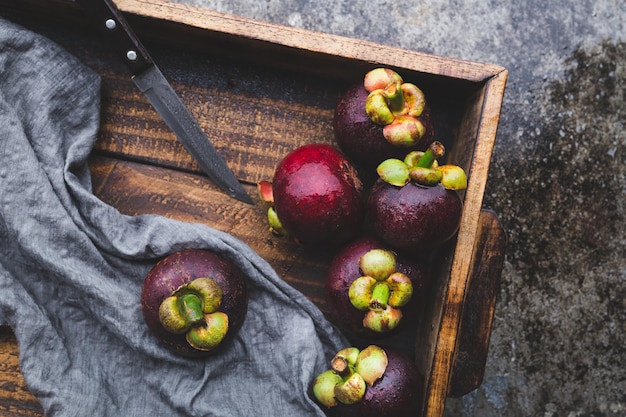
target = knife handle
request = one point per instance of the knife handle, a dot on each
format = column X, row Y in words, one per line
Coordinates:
column 118, row 33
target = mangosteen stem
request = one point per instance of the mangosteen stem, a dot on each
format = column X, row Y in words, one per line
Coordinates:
column 340, row 365
column 178, row 314
column 389, row 84
column 380, row 297
column 343, row 362
column 395, row 98
column 434, row 151
column 191, row 307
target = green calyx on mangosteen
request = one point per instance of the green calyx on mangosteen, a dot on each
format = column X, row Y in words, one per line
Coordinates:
column 350, row 313
column 382, row 117
column 373, row 382
column 350, row 374
column 192, row 310
column 266, row 193
column 381, row 291
column 414, row 205
column 194, row 301
column 396, row 105
column 423, row 168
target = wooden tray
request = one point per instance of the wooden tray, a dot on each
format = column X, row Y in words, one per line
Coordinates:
column 260, row 90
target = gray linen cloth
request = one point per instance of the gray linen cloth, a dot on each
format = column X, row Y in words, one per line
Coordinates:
column 71, row 269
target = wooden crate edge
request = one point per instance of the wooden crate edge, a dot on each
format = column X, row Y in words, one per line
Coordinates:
column 311, row 41
column 447, row 339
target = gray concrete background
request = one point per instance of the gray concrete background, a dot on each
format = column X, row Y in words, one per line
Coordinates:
column 557, row 182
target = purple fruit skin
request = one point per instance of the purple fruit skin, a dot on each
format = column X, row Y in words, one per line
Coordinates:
column 181, row 268
column 344, row 269
column 414, row 217
column 318, row 196
column 396, row 394
column 361, row 139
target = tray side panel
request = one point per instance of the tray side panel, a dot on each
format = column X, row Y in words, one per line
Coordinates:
column 308, row 41
column 480, row 302
column 437, row 388
column 428, row 333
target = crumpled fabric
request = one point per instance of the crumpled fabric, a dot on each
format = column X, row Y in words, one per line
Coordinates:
column 71, row 270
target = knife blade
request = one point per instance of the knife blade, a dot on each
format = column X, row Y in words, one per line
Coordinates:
column 150, row 81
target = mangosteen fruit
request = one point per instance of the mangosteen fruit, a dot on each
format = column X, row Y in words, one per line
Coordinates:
column 316, row 197
column 382, row 117
column 373, row 382
column 194, row 301
column 371, row 291
column 414, row 205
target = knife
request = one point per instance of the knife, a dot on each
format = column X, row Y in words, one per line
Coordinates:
column 150, row 81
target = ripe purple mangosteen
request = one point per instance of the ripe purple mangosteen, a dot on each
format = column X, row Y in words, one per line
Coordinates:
column 194, row 301
column 371, row 292
column 414, row 206
column 316, row 197
column 382, row 118
column 373, row 382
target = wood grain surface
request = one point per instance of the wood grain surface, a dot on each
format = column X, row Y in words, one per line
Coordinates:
column 258, row 91
column 15, row 398
column 479, row 307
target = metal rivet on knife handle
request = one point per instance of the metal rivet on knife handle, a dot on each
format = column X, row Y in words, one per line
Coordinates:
column 163, row 98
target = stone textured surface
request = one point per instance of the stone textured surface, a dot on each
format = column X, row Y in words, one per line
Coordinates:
column 557, row 182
